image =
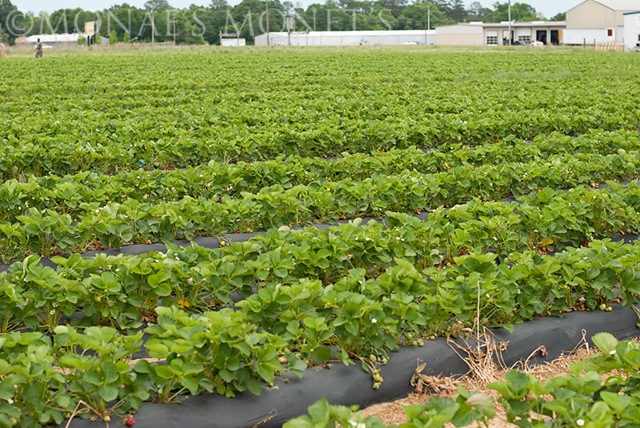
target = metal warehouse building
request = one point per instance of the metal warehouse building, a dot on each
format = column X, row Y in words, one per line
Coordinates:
column 50, row 40
column 598, row 21
column 348, row 38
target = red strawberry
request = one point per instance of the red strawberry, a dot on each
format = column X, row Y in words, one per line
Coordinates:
column 129, row 421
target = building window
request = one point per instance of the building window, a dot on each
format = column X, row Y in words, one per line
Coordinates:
column 609, row 32
column 524, row 39
column 492, row 40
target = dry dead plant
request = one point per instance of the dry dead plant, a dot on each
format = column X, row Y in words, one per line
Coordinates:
column 483, row 356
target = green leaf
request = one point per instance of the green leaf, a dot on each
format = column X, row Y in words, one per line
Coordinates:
column 517, row 384
column 6, row 390
column 110, row 372
column 157, row 349
column 298, row 367
column 164, row 289
column 617, row 402
column 108, row 393
column 320, row 412
column 227, row 375
column 165, row 372
column 254, row 386
column 142, row 366
column 321, row 354
column 600, row 414
column 191, row 384
column 606, row 342
column 64, row 401
column 301, row 422
column 158, row 277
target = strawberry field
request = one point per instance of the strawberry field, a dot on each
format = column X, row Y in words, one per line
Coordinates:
column 354, row 202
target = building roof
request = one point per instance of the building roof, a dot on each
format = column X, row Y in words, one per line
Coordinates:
column 525, row 24
column 617, row 5
column 54, row 38
column 351, row 33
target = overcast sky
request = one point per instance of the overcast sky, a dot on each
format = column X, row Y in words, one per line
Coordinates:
column 548, row 8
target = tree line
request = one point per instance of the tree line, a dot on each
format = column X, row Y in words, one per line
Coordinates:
column 160, row 22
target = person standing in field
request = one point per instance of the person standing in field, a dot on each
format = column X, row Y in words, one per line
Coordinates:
column 38, row 51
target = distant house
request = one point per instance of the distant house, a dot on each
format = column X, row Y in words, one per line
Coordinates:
column 597, row 21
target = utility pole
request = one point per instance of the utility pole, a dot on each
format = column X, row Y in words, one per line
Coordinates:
column 427, row 22
column 153, row 28
column 425, row 27
column 510, row 23
column 268, row 42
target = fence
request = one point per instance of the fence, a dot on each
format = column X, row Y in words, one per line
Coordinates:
column 609, row 47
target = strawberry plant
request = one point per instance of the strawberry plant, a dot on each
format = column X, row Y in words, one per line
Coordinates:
column 99, row 375
column 486, row 210
column 32, row 390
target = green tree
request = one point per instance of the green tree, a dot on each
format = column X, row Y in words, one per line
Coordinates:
column 519, row 12
column 208, row 22
column 453, row 10
column 559, row 17
column 249, row 18
column 122, row 19
column 7, row 11
column 418, row 15
column 330, row 16
column 477, row 12
column 157, row 5
column 457, row 12
column 62, row 21
column 219, row 4
column 380, row 18
column 113, row 37
column 182, row 28
column 394, row 7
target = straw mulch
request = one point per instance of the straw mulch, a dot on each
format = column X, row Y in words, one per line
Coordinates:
column 485, row 367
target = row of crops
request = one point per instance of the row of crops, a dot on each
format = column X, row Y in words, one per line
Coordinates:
column 484, row 174
column 72, row 217
column 62, row 118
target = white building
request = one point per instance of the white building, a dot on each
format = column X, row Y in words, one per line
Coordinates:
column 597, row 21
column 632, row 31
column 51, row 40
column 233, row 42
column 547, row 32
column 348, row 38
column 502, row 33
column 471, row 34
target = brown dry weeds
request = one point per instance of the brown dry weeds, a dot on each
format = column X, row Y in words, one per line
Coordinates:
column 483, row 371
